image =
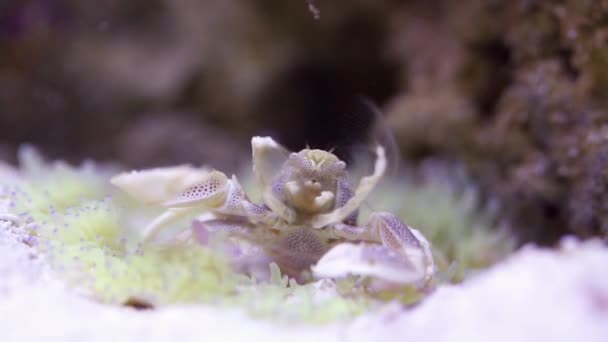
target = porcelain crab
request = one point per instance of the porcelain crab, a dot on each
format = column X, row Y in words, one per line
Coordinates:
column 307, row 220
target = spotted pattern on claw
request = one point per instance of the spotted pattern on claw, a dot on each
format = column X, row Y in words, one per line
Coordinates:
column 210, row 192
column 200, row 191
column 344, row 193
column 234, row 201
column 393, row 232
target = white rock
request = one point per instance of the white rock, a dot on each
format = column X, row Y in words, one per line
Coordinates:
column 536, row 295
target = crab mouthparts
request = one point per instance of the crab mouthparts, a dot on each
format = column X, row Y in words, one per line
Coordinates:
column 308, row 196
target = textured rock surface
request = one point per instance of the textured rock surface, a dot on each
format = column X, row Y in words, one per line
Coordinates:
column 535, row 295
column 511, row 88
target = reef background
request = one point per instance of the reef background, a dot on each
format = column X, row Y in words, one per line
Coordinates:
column 512, row 90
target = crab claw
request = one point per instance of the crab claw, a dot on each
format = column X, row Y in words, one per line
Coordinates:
column 371, row 260
column 210, row 191
column 404, row 257
column 158, row 185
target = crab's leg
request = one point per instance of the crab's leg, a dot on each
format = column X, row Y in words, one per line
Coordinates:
column 344, row 193
column 404, row 255
column 203, row 228
column 217, row 194
column 245, row 258
column 169, row 216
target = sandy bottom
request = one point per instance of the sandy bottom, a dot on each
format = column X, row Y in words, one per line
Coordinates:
column 536, row 295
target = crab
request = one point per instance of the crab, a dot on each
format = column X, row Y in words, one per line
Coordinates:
column 307, row 221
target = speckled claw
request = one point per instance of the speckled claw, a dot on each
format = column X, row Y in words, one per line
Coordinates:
column 184, row 190
column 370, row 260
column 403, row 257
column 210, row 191
column 158, row 185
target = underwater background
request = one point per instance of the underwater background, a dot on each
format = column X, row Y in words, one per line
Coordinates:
column 510, row 93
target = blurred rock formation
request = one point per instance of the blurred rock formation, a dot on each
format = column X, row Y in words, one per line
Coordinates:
column 514, row 89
